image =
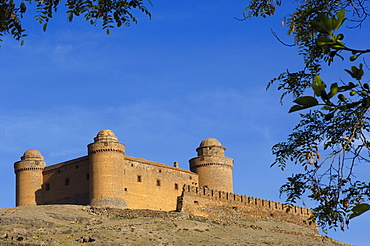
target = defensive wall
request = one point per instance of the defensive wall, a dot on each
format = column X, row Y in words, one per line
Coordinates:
column 229, row 206
column 107, row 177
column 143, row 181
column 153, row 185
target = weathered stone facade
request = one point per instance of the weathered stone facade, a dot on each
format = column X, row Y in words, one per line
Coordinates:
column 107, row 177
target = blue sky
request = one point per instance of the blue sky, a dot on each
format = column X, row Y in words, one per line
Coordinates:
column 191, row 72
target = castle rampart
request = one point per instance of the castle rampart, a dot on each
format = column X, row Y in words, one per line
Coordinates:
column 107, row 177
column 224, row 205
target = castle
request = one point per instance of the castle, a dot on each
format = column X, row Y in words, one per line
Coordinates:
column 107, row 177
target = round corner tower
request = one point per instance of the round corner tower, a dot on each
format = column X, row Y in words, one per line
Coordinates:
column 213, row 168
column 29, row 178
column 106, row 160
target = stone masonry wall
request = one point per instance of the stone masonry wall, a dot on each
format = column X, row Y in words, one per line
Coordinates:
column 223, row 205
column 153, row 185
column 67, row 182
column 147, row 184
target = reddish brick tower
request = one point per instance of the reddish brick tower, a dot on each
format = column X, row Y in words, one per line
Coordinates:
column 213, row 168
column 106, row 160
column 29, row 178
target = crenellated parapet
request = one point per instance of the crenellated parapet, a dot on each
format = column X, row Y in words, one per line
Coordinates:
column 220, row 204
column 106, row 177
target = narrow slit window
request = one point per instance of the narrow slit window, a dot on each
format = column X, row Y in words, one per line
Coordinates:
column 67, row 181
column 176, row 186
column 139, row 178
column 158, row 182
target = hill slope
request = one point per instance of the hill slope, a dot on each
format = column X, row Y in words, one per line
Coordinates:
column 76, row 225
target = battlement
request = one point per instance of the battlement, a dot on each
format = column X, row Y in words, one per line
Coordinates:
column 220, row 204
column 107, row 177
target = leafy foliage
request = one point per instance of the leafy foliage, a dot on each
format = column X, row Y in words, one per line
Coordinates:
column 110, row 12
column 331, row 140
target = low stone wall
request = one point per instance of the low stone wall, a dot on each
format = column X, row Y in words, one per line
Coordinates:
column 223, row 205
column 80, row 199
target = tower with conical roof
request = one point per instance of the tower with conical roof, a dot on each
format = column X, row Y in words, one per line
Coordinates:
column 213, row 168
column 29, row 178
column 106, row 161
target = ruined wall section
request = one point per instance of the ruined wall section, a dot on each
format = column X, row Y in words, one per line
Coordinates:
column 152, row 185
column 67, row 182
column 223, row 205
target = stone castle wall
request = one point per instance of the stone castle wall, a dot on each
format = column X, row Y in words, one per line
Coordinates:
column 152, row 185
column 106, row 177
column 67, row 182
column 223, row 205
column 143, row 181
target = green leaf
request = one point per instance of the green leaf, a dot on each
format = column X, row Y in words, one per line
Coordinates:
column 328, row 117
column 333, row 90
column 23, row 7
column 306, row 101
column 340, row 36
column 318, row 86
column 342, row 98
column 355, row 72
column 353, row 58
column 295, row 108
column 340, row 18
column 359, row 209
column 44, row 27
column 323, row 40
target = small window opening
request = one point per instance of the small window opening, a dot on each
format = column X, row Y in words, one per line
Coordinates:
column 176, row 186
column 138, row 178
column 67, row 181
column 158, row 182
column 125, row 189
column 77, row 166
column 160, row 170
column 195, row 202
column 47, row 186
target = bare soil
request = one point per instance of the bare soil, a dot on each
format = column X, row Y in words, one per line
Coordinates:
column 77, row 225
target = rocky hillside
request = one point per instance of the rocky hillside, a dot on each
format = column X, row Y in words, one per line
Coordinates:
column 77, row 225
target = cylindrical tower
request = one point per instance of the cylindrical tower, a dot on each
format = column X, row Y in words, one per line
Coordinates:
column 106, row 160
column 213, row 168
column 29, row 178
